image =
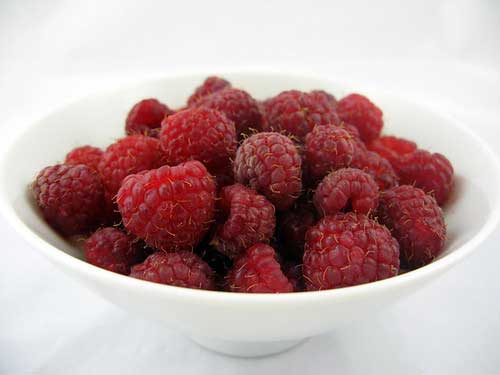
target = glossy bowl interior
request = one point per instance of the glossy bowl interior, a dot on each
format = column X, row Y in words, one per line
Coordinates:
column 246, row 324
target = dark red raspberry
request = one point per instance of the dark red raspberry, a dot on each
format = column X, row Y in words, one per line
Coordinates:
column 258, row 271
column 346, row 188
column 293, row 271
column 433, row 173
column 270, row 164
column 359, row 111
column 248, row 218
column 348, row 249
column 217, row 261
column 87, row 155
column 146, row 116
column 296, row 113
column 113, row 250
column 170, row 208
column 209, row 86
column 327, row 148
column 416, row 221
column 238, row 106
column 71, row 197
column 128, row 155
column 292, row 228
column 206, row 135
column 325, row 97
column 182, row 268
column 392, row 148
column 377, row 167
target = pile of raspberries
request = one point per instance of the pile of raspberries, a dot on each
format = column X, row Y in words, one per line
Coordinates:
column 297, row 192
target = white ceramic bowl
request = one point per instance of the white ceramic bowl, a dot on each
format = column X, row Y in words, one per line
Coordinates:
column 247, row 324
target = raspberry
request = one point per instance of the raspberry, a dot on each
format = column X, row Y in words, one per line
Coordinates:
column 270, row 164
column 199, row 134
column 111, row 249
column 87, row 155
column 345, row 188
column 392, row 148
column 146, row 116
column 359, row 111
column 348, row 249
column 249, row 219
column 292, row 228
column 433, row 173
column 416, row 221
column 296, row 113
column 209, row 86
column 325, row 97
column 377, row 167
column 128, row 155
column 238, row 106
column 293, row 271
column 183, row 269
column 327, row 148
column 258, row 271
column 170, row 208
column 71, row 197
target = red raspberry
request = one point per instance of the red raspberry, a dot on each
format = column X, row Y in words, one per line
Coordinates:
column 433, row 173
column 248, row 219
column 170, row 208
column 346, row 187
column 325, row 97
column 377, row 167
column 292, row 228
column 71, row 197
column 128, row 155
column 209, row 86
column 199, row 134
column 146, row 116
column 359, row 111
column 113, row 250
column 238, row 106
column 348, row 249
column 183, row 269
column 296, row 113
column 392, row 148
column 327, row 148
column 270, row 164
column 293, row 271
column 87, row 155
column 258, row 271
column 416, row 221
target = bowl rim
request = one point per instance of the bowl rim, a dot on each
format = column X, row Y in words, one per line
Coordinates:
column 81, row 267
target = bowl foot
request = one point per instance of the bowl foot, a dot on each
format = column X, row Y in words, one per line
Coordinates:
column 244, row 348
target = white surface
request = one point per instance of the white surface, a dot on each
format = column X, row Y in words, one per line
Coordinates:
column 443, row 54
column 234, row 323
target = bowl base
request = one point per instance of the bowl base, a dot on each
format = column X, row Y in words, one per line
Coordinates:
column 246, row 349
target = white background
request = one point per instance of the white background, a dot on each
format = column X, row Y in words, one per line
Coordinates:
column 444, row 54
